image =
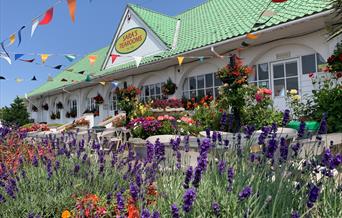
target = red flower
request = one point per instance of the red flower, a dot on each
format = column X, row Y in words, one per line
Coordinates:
column 331, row 59
column 311, row 75
column 340, row 57
column 338, row 75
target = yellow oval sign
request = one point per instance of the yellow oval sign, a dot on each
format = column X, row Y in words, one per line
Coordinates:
column 130, row 40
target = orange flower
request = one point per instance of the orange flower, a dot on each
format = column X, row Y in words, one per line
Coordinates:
column 66, row 214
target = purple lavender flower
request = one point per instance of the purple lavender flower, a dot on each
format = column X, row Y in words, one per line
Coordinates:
column 221, row 166
column 2, row 199
column 138, row 179
column 109, row 197
column 214, row 137
column 286, row 117
column 179, row 159
column 301, row 129
column 150, row 152
column 245, row 193
column 159, row 151
column 174, row 211
column 323, row 126
column 84, row 158
column 76, row 168
column 134, row 191
column 188, row 176
column 188, row 199
column 57, row 165
column 156, row 214
column 186, row 143
column 216, row 208
column 120, row 202
column 284, row 149
column 145, row 213
column 249, row 130
column 10, row 191
column 265, row 131
column 219, row 138
column 207, row 132
column 295, row 214
column 295, row 148
column 35, row 161
column 226, row 143
column 313, row 195
column 271, row 148
column 49, row 169
column 223, row 121
column 230, row 178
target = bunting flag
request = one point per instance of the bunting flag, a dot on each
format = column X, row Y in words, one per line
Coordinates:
column 50, row 79
column 92, row 59
column 17, row 56
column 103, row 83
column 72, row 9
column 34, row 26
column 2, row 78
column 278, row 1
column 47, row 17
column 251, row 36
column 201, row 59
column 58, row 67
column 64, row 80
column 180, row 60
column 44, row 57
column 70, row 57
column 19, row 80
column 4, row 55
column 268, row 13
column 113, row 56
column 87, row 79
column 137, row 61
column 81, row 72
column 69, row 70
column 19, row 35
column 34, row 78
column 28, row 60
column 12, row 39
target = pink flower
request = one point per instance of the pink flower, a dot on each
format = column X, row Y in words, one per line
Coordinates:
column 160, row 118
column 258, row 97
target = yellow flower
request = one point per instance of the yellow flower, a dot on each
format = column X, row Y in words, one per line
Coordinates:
column 66, row 214
column 293, row 92
column 296, row 97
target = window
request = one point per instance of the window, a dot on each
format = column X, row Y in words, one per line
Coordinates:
column 311, row 63
column 202, row 85
column 260, row 76
column 73, row 105
column 285, row 77
column 113, row 102
column 150, row 92
column 92, row 106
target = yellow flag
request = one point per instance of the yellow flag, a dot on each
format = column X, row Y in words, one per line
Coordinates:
column 252, row 36
column 92, row 59
column 44, row 57
column 180, row 60
column 103, row 83
column 12, row 39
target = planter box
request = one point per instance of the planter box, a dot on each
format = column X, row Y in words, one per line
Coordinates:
column 139, row 147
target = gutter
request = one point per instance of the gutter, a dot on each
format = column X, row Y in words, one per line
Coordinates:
column 270, row 29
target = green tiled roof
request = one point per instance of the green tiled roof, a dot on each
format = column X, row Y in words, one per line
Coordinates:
column 206, row 24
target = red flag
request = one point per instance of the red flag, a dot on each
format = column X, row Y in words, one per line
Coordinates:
column 29, row 61
column 113, row 56
column 278, row 1
column 47, row 17
column 72, row 9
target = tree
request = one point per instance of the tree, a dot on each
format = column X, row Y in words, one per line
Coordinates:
column 16, row 113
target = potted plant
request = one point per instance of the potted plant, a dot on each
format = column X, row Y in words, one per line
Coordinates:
column 58, row 115
column 73, row 113
column 53, row 116
column 169, row 88
column 67, row 114
column 127, row 99
column 45, row 106
column 34, row 108
column 98, row 99
column 59, row 105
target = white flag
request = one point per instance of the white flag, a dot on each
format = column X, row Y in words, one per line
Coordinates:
column 137, row 61
column 34, row 26
column 4, row 56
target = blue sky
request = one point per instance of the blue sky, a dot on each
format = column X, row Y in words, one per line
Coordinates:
column 94, row 28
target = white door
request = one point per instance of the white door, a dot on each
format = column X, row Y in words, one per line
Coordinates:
column 284, row 76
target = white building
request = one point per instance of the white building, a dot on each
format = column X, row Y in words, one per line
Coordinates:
column 291, row 42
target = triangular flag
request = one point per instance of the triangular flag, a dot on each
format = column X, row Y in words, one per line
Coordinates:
column 17, row 56
column 44, row 57
column 64, row 80
column 18, row 80
column 269, row 13
column 50, row 79
column 5, row 55
column 47, row 17
column 34, row 78
column 201, row 59
column 12, row 39
column 180, row 60
column 72, row 9
column 2, row 78
column 81, row 72
column 87, row 79
column 278, row 1
column 92, row 59
column 58, row 67
column 29, row 60
column 34, row 26
column 113, row 56
column 70, row 57
column 19, row 34
column 251, row 36
column 103, row 83
column 137, row 61
column 69, row 70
